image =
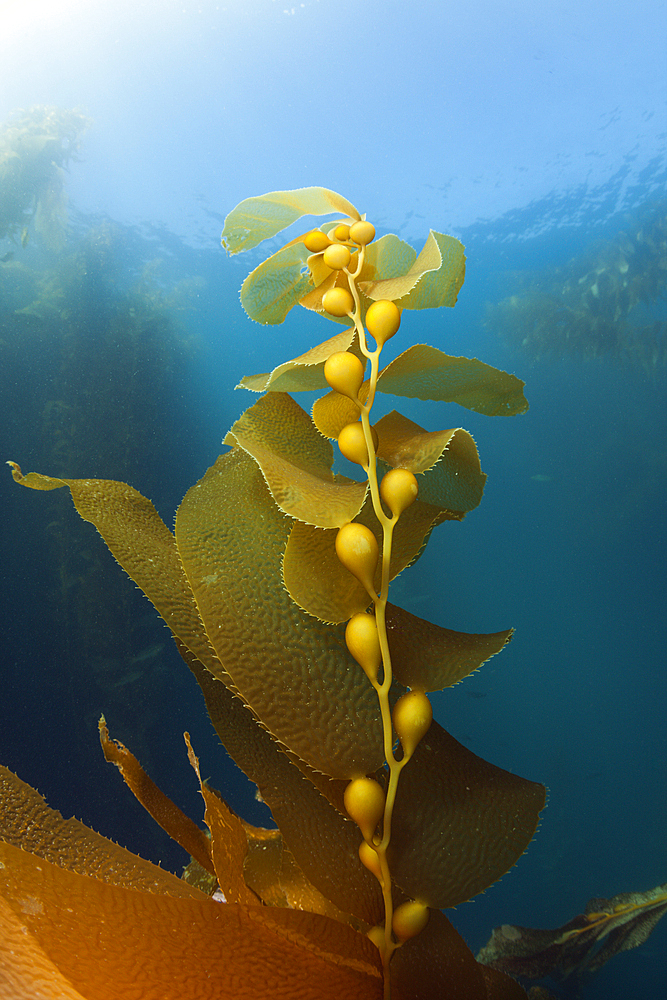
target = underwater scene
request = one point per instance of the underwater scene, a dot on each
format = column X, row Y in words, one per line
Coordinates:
column 283, row 290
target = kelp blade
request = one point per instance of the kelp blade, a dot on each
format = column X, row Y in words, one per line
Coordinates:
column 319, row 583
column 276, row 285
column 144, row 947
column 323, row 841
column 433, row 280
column 305, row 373
column 427, row 373
column 27, row 822
column 165, row 812
column 229, row 843
column 231, row 537
column 459, row 821
column 257, row 219
column 296, row 462
column 288, row 667
column 139, row 539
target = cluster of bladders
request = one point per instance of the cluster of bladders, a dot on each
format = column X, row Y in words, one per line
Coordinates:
column 366, row 801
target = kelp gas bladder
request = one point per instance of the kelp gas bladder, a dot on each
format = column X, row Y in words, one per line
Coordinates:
column 275, row 584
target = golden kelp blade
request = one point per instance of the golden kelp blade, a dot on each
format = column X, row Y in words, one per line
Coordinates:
column 234, row 569
column 319, row 583
column 427, row 373
column 296, row 462
column 435, row 279
column 452, row 475
column 136, row 945
column 306, row 805
column 139, row 539
column 271, row 871
column 276, row 285
column 428, row 657
column 387, row 258
column 289, row 668
column 332, row 412
column 257, row 219
column 150, row 557
column 26, row 972
column 305, row 373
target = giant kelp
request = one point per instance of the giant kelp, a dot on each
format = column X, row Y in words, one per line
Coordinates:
column 35, row 147
column 584, row 944
column 608, row 300
column 83, row 348
column 275, row 585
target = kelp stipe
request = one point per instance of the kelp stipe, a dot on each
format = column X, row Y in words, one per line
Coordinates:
column 275, row 584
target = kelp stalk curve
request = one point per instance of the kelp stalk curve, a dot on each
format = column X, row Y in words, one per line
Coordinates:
column 275, row 584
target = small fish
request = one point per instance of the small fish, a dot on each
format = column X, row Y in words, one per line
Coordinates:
column 25, row 236
column 8, row 256
column 542, row 479
column 147, row 654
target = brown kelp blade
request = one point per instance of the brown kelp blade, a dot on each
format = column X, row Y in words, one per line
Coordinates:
column 139, row 539
column 445, row 845
column 306, row 805
column 233, row 585
column 272, row 872
column 446, row 462
column 27, row 822
column 229, row 843
column 26, row 972
column 584, row 944
column 304, row 813
column 437, row 964
column 165, row 812
column 459, row 821
column 319, row 583
column 135, row 944
column 428, row 657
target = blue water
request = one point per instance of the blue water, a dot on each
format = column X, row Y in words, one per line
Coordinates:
column 530, row 133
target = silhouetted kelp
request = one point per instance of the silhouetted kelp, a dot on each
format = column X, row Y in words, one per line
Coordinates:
column 275, row 585
column 35, row 147
column 583, row 945
column 607, row 301
column 81, row 350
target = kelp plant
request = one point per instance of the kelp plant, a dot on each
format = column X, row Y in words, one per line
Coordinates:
column 608, row 300
column 275, row 585
column 35, row 148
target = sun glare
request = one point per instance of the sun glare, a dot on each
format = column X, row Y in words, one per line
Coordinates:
column 19, row 16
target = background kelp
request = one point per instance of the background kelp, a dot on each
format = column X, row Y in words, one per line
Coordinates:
column 610, row 300
column 282, row 686
column 582, row 945
column 89, row 353
column 35, row 148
